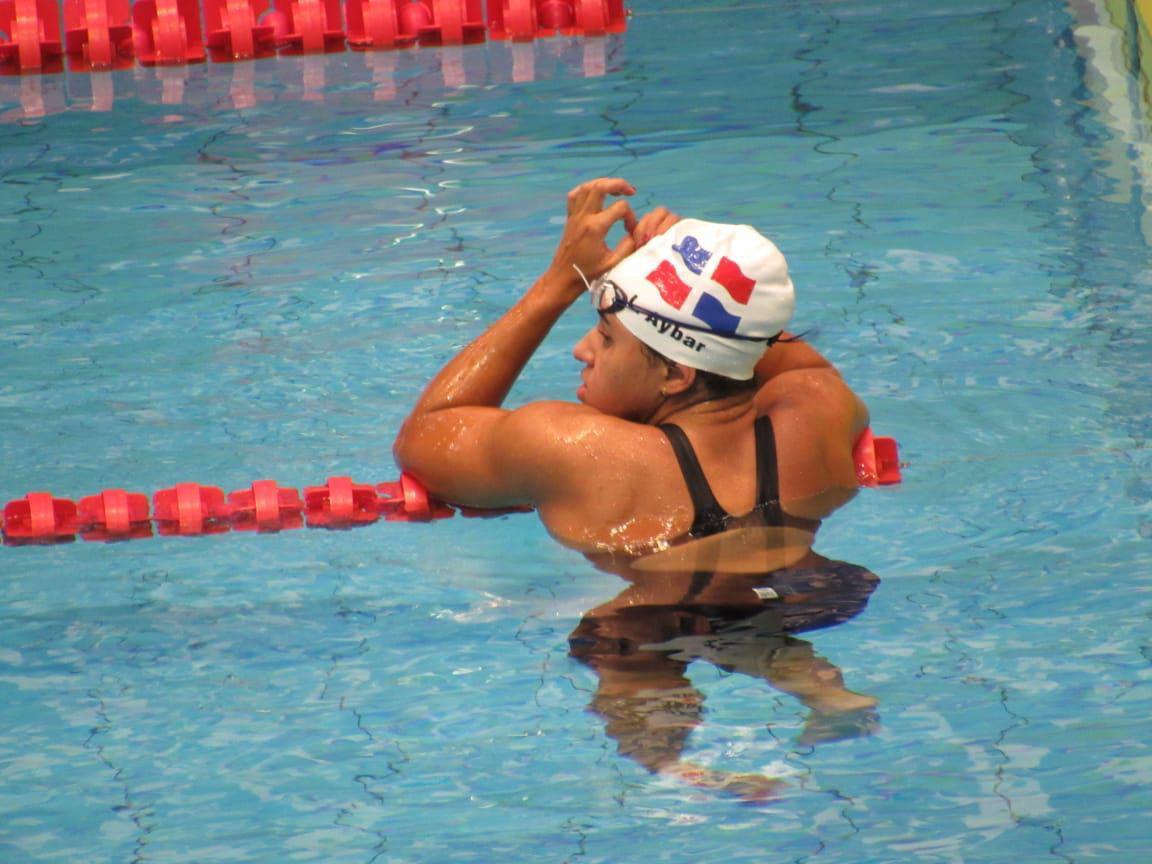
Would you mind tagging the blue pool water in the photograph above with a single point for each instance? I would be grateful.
(249, 272)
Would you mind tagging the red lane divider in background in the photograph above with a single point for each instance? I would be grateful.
(377, 24)
(167, 32)
(342, 502)
(266, 507)
(240, 29)
(311, 27)
(114, 515)
(32, 43)
(407, 501)
(98, 34)
(189, 509)
(877, 460)
(530, 19)
(40, 518)
(114, 34)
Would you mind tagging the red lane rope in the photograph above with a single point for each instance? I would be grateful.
(190, 509)
(115, 34)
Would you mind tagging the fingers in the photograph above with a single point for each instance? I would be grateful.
(653, 224)
(600, 222)
(640, 231)
(619, 211)
(589, 196)
(627, 244)
(624, 248)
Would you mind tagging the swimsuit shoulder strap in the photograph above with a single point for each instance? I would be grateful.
(767, 473)
(709, 516)
(768, 481)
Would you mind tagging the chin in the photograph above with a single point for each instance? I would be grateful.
(590, 400)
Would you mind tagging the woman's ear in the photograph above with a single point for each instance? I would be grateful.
(678, 379)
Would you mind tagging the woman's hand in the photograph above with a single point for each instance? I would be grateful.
(652, 224)
(583, 247)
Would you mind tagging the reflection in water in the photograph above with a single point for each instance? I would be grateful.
(642, 643)
(349, 80)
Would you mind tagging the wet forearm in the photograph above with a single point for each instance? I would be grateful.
(484, 371)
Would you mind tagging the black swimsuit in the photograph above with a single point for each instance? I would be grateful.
(710, 518)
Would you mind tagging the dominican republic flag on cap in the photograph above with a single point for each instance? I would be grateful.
(700, 284)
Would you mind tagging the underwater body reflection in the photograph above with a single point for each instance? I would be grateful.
(642, 643)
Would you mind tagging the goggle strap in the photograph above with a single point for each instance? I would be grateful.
(583, 278)
(621, 300)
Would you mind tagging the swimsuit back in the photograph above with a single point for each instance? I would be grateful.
(709, 517)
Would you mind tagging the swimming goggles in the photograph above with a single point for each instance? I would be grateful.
(608, 304)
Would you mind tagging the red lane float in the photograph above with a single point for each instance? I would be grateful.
(239, 29)
(98, 35)
(167, 32)
(114, 515)
(312, 27)
(381, 24)
(522, 20)
(30, 36)
(39, 517)
(340, 503)
(598, 17)
(512, 19)
(408, 501)
(877, 460)
(266, 506)
(190, 509)
(454, 22)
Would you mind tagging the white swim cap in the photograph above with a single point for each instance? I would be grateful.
(707, 295)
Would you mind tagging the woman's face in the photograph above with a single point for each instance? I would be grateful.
(619, 377)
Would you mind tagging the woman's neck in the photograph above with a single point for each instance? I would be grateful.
(697, 410)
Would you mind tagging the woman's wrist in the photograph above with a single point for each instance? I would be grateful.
(556, 290)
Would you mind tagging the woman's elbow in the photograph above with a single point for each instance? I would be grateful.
(405, 446)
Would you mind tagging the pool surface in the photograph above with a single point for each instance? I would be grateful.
(230, 273)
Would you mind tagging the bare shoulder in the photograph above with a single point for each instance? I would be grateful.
(817, 418)
(491, 457)
(563, 436)
(814, 394)
(573, 453)
(594, 479)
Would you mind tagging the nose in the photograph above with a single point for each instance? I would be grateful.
(583, 349)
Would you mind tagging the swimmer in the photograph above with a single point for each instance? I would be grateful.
(697, 413)
(704, 448)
